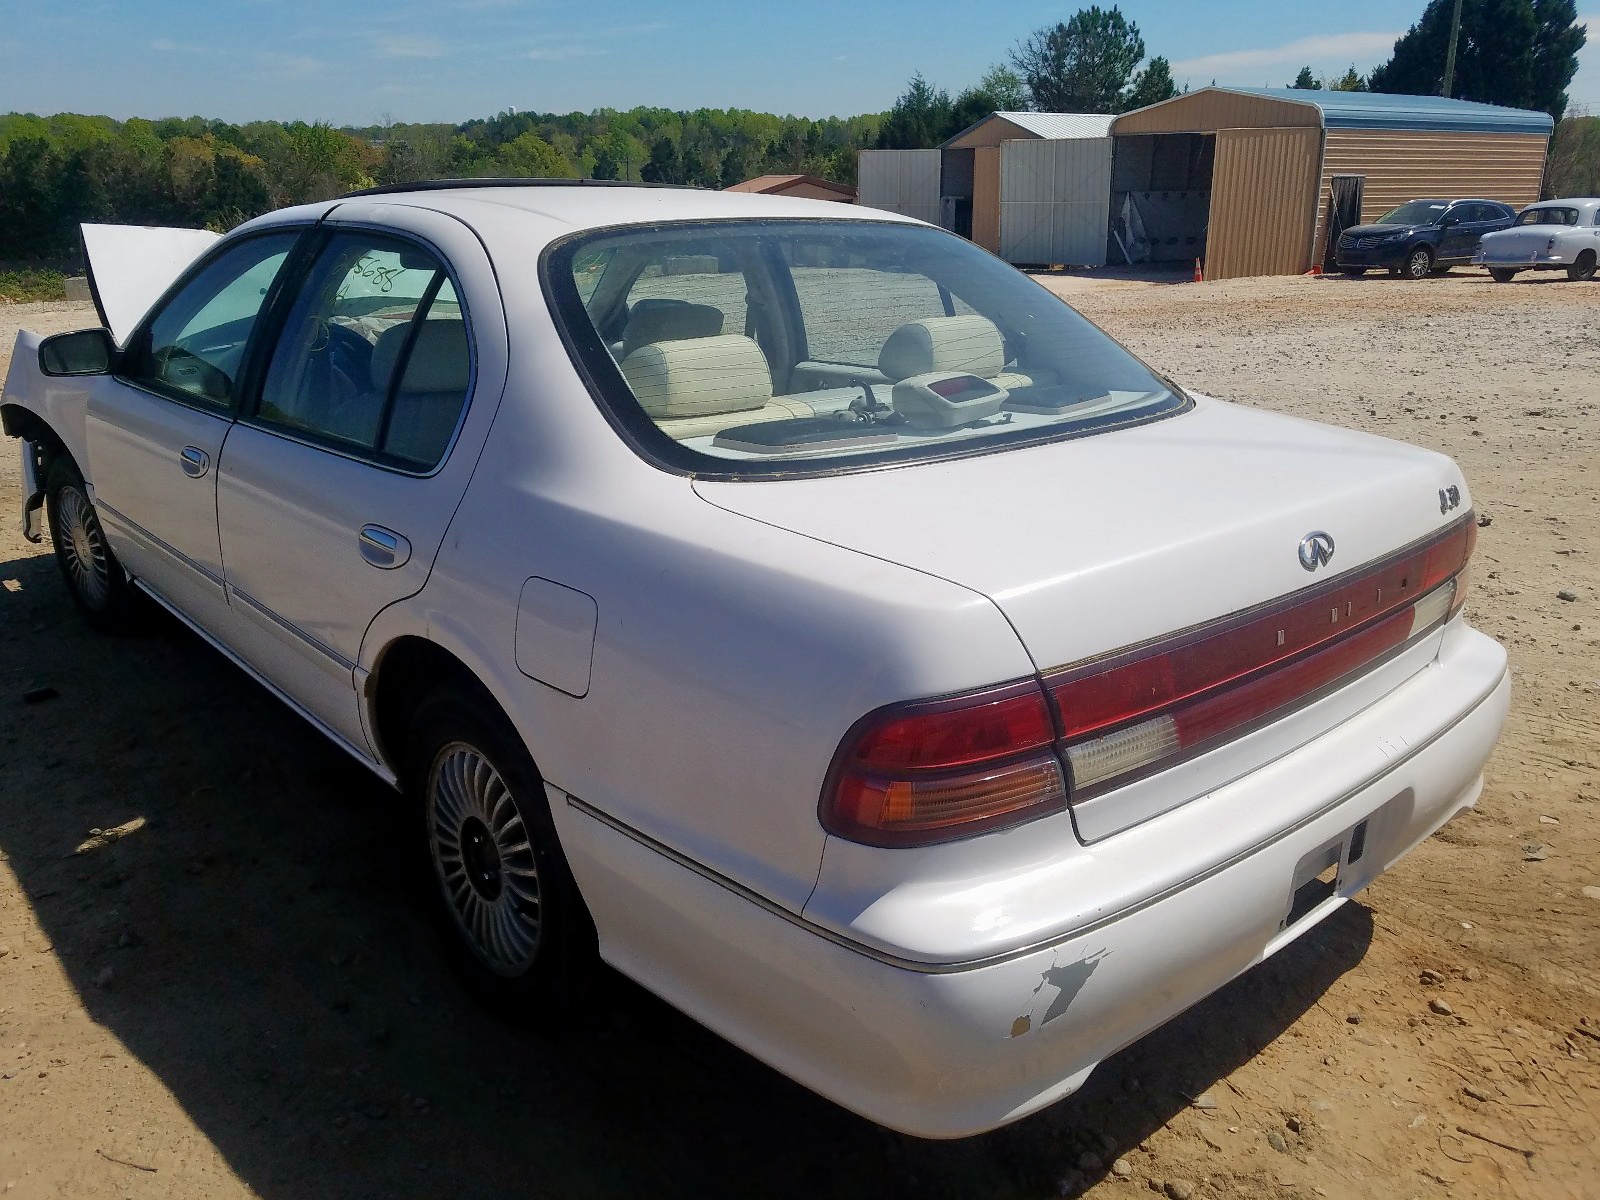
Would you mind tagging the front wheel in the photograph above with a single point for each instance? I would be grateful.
(98, 584)
(1502, 274)
(502, 893)
(1418, 264)
(1584, 268)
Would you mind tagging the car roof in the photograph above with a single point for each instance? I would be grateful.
(1567, 202)
(592, 204)
(531, 211)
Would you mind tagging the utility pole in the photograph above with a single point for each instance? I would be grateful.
(1450, 54)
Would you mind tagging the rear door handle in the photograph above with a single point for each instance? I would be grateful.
(384, 548)
(196, 462)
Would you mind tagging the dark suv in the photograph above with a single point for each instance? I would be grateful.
(1422, 236)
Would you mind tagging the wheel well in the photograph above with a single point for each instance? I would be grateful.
(408, 670)
(1587, 254)
(20, 422)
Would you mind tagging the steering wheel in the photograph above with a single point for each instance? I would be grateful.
(187, 370)
(349, 359)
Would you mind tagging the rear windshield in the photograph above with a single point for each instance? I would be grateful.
(775, 347)
(1417, 212)
(1548, 216)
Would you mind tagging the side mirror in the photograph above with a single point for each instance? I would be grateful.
(85, 352)
(1447, 222)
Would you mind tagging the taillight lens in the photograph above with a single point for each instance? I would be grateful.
(1144, 710)
(936, 770)
(932, 770)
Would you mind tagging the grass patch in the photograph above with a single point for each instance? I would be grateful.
(31, 284)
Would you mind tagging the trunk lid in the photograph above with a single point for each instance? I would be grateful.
(1529, 242)
(130, 266)
(1097, 544)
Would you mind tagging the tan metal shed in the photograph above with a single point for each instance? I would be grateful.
(1262, 162)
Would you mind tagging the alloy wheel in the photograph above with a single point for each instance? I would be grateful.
(82, 546)
(484, 859)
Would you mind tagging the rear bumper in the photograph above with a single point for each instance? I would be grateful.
(950, 1048)
(1540, 262)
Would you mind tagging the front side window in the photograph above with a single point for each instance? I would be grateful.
(194, 345)
(860, 342)
(374, 357)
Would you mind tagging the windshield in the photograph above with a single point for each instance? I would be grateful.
(760, 347)
(1548, 216)
(1415, 212)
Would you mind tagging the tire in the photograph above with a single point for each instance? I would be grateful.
(1583, 269)
(94, 578)
(500, 891)
(1418, 264)
(1353, 272)
(1502, 274)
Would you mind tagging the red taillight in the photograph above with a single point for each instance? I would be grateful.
(1143, 710)
(932, 770)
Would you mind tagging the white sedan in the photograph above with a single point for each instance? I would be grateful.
(1556, 235)
(789, 604)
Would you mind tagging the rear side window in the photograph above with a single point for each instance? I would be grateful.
(374, 358)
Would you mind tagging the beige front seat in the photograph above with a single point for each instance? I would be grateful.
(669, 321)
(969, 344)
(431, 393)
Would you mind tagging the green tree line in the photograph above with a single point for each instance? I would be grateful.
(58, 171)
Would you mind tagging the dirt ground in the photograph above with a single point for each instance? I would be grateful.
(232, 994)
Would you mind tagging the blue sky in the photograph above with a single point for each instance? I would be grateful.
(360, 61)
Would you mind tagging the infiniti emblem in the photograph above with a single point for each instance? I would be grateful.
(1316, 548)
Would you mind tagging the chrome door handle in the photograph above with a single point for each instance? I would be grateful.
(196, 462)
(384, 548)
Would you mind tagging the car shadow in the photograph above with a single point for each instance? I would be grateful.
(220, 886)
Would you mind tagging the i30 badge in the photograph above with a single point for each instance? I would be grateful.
(1316, 548)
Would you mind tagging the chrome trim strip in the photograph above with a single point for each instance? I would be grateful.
(234, 593)
(923, 967)
(338, 739)
(198, 568)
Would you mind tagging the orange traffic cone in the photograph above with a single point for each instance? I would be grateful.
(1199, 275)
(1316, 269)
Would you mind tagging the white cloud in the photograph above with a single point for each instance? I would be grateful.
(289, 66)
(563, 53)
(401, 46)
(1236, 66)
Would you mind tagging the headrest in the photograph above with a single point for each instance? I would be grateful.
(668, 321)
(440, 360)
(693, 377)
(970, 344)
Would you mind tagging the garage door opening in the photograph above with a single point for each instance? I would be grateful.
(1161, 197)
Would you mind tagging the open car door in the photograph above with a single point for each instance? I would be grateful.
(130, 266)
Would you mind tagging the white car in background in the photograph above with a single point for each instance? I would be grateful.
(1555, 235)
(790, 604)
